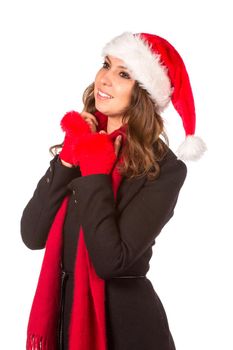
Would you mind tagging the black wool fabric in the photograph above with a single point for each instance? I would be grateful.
(119, 237)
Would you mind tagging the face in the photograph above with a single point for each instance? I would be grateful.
(113, 88)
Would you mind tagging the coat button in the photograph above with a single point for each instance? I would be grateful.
(75, 201)
(73, 192)
(50, 169)
(47, 179)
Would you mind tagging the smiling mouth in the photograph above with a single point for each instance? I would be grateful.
(103, 96)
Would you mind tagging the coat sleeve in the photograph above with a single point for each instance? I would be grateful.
(114, 244)
(39, 213)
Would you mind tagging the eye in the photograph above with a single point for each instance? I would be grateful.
(125, 75)
(105, 64)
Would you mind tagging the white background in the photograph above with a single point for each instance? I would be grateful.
(50, 51)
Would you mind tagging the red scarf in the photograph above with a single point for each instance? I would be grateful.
(87, 330)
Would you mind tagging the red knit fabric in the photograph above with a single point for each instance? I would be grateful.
(87, 327)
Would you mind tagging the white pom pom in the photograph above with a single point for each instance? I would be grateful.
(191, 149)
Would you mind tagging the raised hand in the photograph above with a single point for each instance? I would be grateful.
(90, 119)
(117, 142)
(96, 153)
(74, 126)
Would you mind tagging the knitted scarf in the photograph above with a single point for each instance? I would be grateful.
(87, 329)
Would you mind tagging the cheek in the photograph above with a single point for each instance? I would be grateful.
(97, 77)
(126, 94)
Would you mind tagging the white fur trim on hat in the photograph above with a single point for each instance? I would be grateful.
(192, 148)
(143, 64)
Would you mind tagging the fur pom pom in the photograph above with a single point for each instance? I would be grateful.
(191, 149)
(74, 124)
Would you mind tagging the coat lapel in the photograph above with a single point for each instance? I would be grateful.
(127, 190)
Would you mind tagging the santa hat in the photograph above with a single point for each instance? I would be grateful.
(160, 70)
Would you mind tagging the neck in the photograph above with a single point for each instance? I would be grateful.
(113, 124)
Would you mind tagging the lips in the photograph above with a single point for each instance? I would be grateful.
(103, 95)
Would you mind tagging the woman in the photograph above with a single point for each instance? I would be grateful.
(103, 201)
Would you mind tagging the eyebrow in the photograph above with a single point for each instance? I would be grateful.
(117, 66)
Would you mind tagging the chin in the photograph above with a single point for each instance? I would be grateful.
(107, 110)
(101, 108)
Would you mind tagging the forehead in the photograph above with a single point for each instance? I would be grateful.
(116, 61)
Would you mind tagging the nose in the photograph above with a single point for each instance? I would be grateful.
(106, 78)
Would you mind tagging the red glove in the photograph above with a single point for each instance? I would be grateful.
(95, 154)
(74, 126)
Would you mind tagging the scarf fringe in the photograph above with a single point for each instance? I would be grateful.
(36, 342)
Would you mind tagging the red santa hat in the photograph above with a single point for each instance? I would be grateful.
(160, 70)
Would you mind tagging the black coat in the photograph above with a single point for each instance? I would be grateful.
(119, 236)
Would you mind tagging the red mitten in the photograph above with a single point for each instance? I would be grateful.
(74, 126)
(95, 154)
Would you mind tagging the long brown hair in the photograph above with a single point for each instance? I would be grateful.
(143, 148)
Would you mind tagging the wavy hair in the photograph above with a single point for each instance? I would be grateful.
(143, 148)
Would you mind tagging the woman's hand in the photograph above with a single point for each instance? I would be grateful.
(96, 153)
(90, 119)
(68, 165)
(74, 127)
(117, 142)
(93, 123)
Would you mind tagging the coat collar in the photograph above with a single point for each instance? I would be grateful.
(102, 125)
(128, 188)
